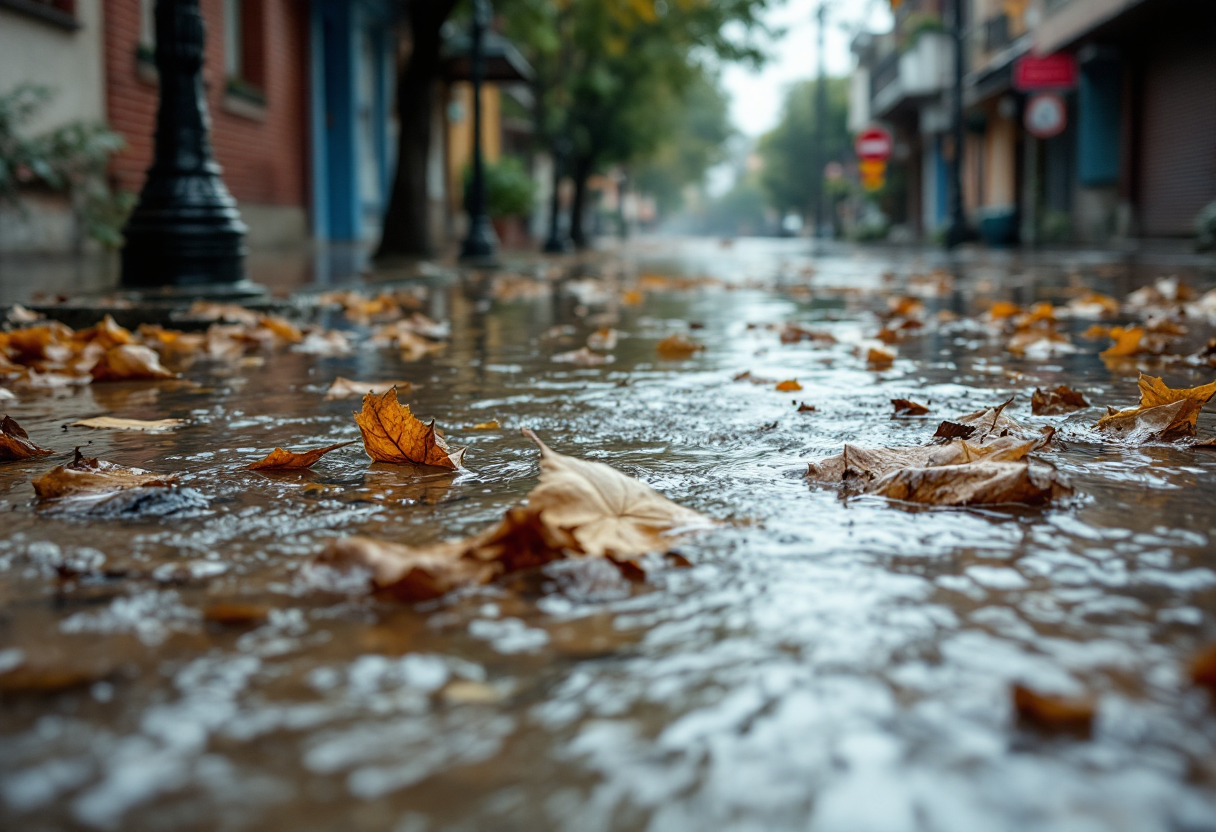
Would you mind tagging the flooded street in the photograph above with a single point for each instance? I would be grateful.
(828, 663)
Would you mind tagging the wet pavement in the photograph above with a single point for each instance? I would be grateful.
(826, 664)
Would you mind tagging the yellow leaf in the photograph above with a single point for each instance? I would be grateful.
(286, 460)
(788, 386)
(675, 347)
(1127, 342)
(129, 362)
(391, 433)
(490, 425)
(1164, 413)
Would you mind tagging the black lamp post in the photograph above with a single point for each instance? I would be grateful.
(480, 243)
(185, 237)
(958, 232)
(558, 242)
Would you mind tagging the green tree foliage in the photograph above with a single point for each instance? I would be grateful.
(70, 159)
(699, 125)
(790, 171)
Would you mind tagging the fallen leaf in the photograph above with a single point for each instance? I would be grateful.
(330, 342)
(106, 334)
(279, 459)
(583, 357)
(1052, 712)
(603, 340)
(405, 336)
(877, 357)
(236, 615)
(34, 679)
(793, 333)
(677, 347)
(954, 430)
(1206, 445)
(904, 407)
(578, 509)
(1093, 305)
(345, 388)
(490, 425)
(1203, 669)
(15, 442)
(789, 386)
(112, 423)
(18, 314)
(282, 328)
(232, 313)
(391, 433)
(1039, 344)
(1164, 414)
(747, 376)
(129, 362)
(85, 476)
(1127, 342)
(464, 692)
(1054, 402)
(971, 484)
(806, 408)
(1003, 309)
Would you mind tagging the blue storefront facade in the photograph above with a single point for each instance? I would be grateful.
(353, 69)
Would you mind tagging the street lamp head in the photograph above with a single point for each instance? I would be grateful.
(482, 14)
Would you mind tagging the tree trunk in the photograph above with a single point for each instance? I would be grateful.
(407, 230)
(581, 172)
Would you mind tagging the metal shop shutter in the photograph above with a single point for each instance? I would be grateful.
(1177, 137)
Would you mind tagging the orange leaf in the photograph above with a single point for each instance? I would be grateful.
(391, 433)
(129, 362)
(1164, 413)
(1203, 669)
(675, 347)
(15, 442)
(789, 386)
(905, 407)
(1127, 342)
(1054, 402)
(1054, 713)
(281, 459)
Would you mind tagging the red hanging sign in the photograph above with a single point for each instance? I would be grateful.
(874, 143)
(1050, 72)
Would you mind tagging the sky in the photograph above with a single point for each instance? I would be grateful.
(756, 96)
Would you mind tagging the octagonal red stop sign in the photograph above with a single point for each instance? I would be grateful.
(873, 144)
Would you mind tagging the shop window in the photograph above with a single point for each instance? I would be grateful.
(244, 50)
(146, 49)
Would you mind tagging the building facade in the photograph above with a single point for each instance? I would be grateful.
(1134, 155)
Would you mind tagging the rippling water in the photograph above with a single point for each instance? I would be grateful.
(829, 665)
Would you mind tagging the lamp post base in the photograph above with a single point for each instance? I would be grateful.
(480, 247)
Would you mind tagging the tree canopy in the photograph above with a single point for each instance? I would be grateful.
(790, 171)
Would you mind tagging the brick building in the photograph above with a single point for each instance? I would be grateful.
(256, 75)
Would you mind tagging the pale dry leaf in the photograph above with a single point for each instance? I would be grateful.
(1164, 414)
(603, 340)
(90, 476)
(582, 357)
(391, 433)
(345, 388)
(1063, 399)
(677, 347)
(978, 483)
(129, 362)
(113, 423)
(907, 407)
(279, 459)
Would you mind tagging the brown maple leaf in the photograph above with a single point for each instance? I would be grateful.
(391, 433)
(87, 475)
(1164, 414)
(129, 362)
(905, 407)
(1054, 402)
(279, 459)
(15, 442)
(1052, 712)
(345, 388)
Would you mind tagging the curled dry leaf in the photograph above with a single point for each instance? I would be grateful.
(1203, 668)
(15, 442)
(129, 362)
(582, 357)
(490, 425)
(676, 347)
(793, 333)
(88, 476)
(904, 407)
(1051, 712)
(789, 386)
(1063, 399)
(578, 509)
(345, 388)
(106, 334)
(803, 407)
(1164, 414)
(1127, 342)
(112, 423)
(1028, 482)
(330, 342)
(279, 459)
(391, 433)
(878, 358)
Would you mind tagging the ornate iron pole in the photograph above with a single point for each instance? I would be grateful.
(480, 243)
(958, 232)
(558, 242)
(186, 236)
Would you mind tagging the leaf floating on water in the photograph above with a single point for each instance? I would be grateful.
(789, 386)
(1203, 669)
(1055, 402)
(975, 484)
(231, 614)
(582, 357)
(1165, 414)
(954, 430)
(345, 388)
(29, 679)
(15, 442)
(279, 459)
(603, 340)
(803, 407)
(1127, 342)
(878, 358)
(129, 362)
(490, 425)
(677, 347)
(904, 407)
(1206, 445)
(89, 476)
(391, 433)
(112, 423)
(1054, 713)
(578, 509)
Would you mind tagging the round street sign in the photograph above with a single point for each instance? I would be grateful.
(1045, 115)
(874, 144)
